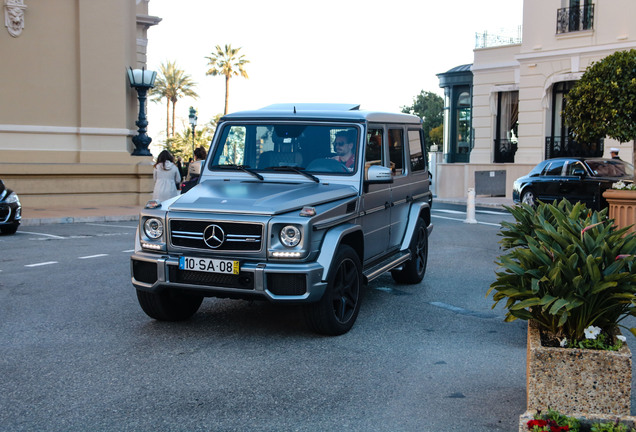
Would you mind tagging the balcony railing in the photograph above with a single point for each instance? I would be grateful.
(566, 147)
(575, 19)
(502, 37)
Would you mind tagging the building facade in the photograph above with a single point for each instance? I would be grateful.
(518, 90)
(68, 113)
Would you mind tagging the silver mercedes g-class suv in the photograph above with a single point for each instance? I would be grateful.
(299, 204)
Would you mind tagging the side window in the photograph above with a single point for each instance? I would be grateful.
(554, 169)
(396, 151)
(416, 150)
(373, 153)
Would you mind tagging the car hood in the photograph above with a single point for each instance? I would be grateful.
(249, 197)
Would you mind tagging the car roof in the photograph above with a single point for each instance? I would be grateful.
(323, 112)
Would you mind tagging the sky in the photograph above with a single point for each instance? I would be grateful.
(379, 54)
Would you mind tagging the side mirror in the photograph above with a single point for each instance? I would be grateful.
(379, 174)
(578, 172)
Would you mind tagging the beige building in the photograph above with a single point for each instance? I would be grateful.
(68, 112)
(517, 90)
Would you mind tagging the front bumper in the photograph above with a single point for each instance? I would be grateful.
(277, 282)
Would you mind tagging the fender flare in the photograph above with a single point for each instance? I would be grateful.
(414, 213)
(331, 242)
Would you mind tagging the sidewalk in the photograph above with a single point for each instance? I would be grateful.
(33, 216)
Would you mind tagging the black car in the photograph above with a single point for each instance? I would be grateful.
(577, 179)
(10, 210)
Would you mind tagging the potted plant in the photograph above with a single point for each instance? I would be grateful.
(622, 204)
(570, 272)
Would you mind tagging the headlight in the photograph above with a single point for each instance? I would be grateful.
(290, 236)
(12, 198)
(153, 228)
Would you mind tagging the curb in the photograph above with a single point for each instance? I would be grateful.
(77, 219)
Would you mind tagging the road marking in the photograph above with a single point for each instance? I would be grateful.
(462, 311)
(462, 220)
(41, 264)
(93, 256)
(128, 251)
(41, 234)
(111, 226)
(497, 213)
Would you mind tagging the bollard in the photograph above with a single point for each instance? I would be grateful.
(470, 207)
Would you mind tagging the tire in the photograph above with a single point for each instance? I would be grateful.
(169, 305)
(9, 229)
(336, 312)
(527, 197)
(413, 270)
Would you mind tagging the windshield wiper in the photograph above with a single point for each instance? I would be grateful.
(296, 170)
(243, 168)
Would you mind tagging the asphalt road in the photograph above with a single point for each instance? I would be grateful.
(78, 354)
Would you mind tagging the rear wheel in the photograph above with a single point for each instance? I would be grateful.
(528, 197)
(337, 310)
(413, 270)
(168, 305)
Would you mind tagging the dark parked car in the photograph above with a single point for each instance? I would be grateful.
(577, 179)
(10, 210)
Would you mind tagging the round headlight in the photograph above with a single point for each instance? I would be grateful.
(290, 236)
(153, 228)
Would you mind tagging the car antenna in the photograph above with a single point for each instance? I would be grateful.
(294, 109)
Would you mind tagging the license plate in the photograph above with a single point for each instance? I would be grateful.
(209, 265)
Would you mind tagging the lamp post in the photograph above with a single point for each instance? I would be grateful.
(141, 80)
(193, 122)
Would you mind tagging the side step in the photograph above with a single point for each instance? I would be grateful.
(386, 265)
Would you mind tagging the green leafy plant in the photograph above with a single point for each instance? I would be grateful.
(611, 427)
(568, 268)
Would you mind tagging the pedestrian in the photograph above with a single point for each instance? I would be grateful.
(167, 177)
(194, 168)
(179, 165)
(614, 153)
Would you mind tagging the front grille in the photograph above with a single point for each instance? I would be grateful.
(5, 212)
(240, 237)
(243, 280)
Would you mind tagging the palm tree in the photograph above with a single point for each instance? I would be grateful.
(172, 83)
(227, 62)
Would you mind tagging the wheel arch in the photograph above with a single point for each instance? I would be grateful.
(348, 234)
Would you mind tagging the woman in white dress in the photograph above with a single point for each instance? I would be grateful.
(166, 176)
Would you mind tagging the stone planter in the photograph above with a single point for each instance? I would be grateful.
(622, 207)
(576, 381)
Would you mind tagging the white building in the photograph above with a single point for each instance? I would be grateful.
(517, 92)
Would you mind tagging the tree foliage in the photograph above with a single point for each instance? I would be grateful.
(181, 143)
(603, 102)
(430, 107)
(228, 63)
(172, 84)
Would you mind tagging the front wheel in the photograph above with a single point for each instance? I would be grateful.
(168, 305)
(413, 270)
(9, 229)
(528, 197)
(336, 312)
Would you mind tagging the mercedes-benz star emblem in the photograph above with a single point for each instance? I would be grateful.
(213, 236)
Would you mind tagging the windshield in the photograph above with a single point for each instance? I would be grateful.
(319, 149)
(610, 168)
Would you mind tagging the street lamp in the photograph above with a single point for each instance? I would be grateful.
(193, 122)
(141, 80)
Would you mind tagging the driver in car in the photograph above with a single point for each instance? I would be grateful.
(343, 146)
